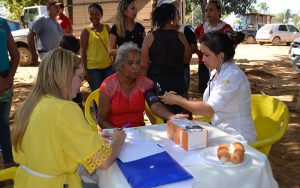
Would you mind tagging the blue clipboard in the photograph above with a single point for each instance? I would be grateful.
(152, 171)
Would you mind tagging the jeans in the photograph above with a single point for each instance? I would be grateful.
(203, 74)
(98, 75)
(5, 141)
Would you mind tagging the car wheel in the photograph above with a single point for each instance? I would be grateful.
(276, 41)
(261, 43)
(250, 40)
(25, 56)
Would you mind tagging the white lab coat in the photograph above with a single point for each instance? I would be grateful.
(229, 94)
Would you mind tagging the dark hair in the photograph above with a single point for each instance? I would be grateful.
(164, 14)
(96, 6)
(69, 42)
(217, 3)
(218, 6)
(218, 41)
(61, 6)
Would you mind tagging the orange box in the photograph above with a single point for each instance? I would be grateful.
(188, 134)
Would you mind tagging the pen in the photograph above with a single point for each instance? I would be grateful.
(126, 125)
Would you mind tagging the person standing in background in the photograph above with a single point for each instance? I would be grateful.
(126, 29)
(46, 32)
(212, 22)
(164, 53)
(94, 41)
(64, 21)
(7, 73)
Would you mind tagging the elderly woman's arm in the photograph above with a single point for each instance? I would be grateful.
(160, 110)
(103, 112)
(196, 107)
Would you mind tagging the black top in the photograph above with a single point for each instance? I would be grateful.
(190, 35)
(167, 57)
(136, 35)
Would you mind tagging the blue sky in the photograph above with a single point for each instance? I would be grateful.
(278, 6)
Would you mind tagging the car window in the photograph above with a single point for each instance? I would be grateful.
(282, 28)
(292, 28)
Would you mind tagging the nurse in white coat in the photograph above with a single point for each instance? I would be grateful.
(227, 97)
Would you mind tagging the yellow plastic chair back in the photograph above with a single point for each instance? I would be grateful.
(270, 117)
(8, 173)
(87, 109)
(156, 118)
(94, 96)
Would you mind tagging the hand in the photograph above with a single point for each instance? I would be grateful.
(35, 58)
(118, 137)
(170, 98)
(178, 116)
(5, 84)
(87, 77)
(106, 136)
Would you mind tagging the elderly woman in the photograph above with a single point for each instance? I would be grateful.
(123, 94)
(52, 136)
(228, 95)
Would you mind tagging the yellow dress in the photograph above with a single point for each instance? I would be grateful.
(55, 142)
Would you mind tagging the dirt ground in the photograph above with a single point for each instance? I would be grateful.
(269, 71)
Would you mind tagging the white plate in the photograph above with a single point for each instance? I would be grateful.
(209, 155)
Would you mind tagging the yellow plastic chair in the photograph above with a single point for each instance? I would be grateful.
(8, 173)
(87, 109)
(94, 97)
(270, 117)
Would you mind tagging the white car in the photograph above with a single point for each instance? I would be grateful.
(295, 48)
(276, 34)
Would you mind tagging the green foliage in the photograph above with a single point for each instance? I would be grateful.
(194, 14)
(263, 7)
(279, 18)
(296, 20)
(15, 7)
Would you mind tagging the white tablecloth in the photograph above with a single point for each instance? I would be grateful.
(254, 172)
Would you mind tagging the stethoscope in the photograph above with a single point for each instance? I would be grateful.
(210, 80)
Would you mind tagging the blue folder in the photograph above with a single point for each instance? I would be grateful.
(152, 171)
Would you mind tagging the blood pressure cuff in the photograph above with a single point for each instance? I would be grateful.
(151, 96)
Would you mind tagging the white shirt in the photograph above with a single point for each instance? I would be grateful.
(229, 95)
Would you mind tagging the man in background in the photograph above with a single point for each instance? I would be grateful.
(45, 33)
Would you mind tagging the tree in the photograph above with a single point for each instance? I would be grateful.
(263, 7)
(287, 15)
(295, 20)
(279, 18)
(15, 7)
(238, 6)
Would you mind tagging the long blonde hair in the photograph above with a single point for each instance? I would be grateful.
(54, 78)
(121, 18)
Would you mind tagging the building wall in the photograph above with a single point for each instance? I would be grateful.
(81, 17)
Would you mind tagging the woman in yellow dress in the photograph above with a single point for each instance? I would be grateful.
(52, 137)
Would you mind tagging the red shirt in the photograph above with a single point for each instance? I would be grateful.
(64, 22)
(199, 31)
(127, 108)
